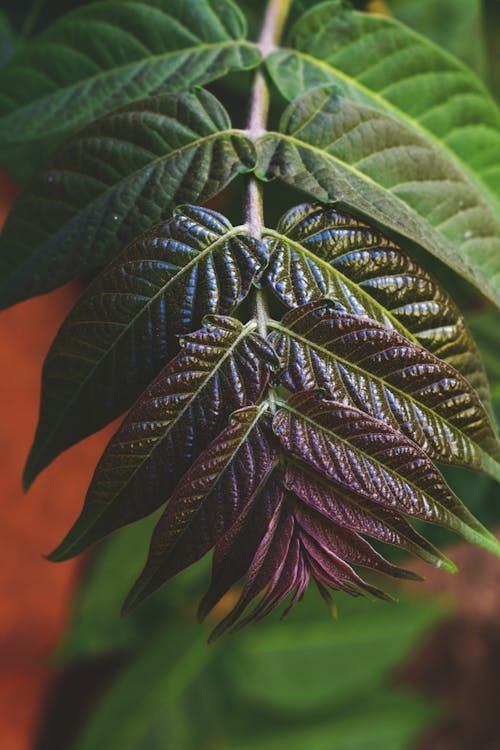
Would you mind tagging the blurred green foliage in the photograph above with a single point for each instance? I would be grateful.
(310, 683)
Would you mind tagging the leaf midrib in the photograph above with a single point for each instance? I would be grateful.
(401, 116)
(300, 415)
(405, 396)
(246, 330)
(91, 80)
(260, 411)
(330, 269)
(128, 326)
(431, 554)
(76, 218)
(436, 235)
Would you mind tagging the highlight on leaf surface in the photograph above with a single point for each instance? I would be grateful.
(319, 251)
(334, 148)
(284, 489)
(223, 367)
(126, 325)
(379, 371)
(281, 440)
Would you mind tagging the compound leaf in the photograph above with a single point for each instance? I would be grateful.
(340, 150)
(107, 55)
(222, 367)
(318, 252)
(379, 371)
(125, 326)
(113, 181)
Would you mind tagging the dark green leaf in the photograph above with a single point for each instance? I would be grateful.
(111, 182)
(149, 686)
(379, 371)
(370, 460)
(361, 647)
(339, 150)
(221, 368)
(6, 39)
(380, 62)
(225, 478)
(109, 54)
(392, 723)
(125, 327)
(319, 252)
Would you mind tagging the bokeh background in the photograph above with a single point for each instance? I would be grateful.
(423, 674)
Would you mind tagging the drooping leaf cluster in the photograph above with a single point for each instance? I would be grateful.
(281, 439)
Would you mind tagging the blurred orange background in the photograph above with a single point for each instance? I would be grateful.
(34, 594)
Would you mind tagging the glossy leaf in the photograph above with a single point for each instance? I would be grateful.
(109, 54)
(111, 182)
(220, 368)
(318, 251)
(379, 371)
(372, 461)
(300, 544)
(340, 150)
(125, 327)
(361, 515)
(208, 500)
(380, 62)
(235, 550)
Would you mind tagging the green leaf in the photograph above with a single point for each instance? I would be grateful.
(368, 459)
(111, 182)
(276, 662)
(109, 54)
(319, 252)
(336, 149)
(377, 370)
(223, 367)
(382, 63)
(148, 687)
(95, 628)
(6, 39)
(392, 722)
(455, 25)
(485, 327)
(225, 479)
(125, 326)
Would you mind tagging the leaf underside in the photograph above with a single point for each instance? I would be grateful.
(126, 325)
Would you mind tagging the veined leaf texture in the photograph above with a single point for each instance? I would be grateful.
(288, 388)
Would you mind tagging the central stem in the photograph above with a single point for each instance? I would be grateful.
(272, 27)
